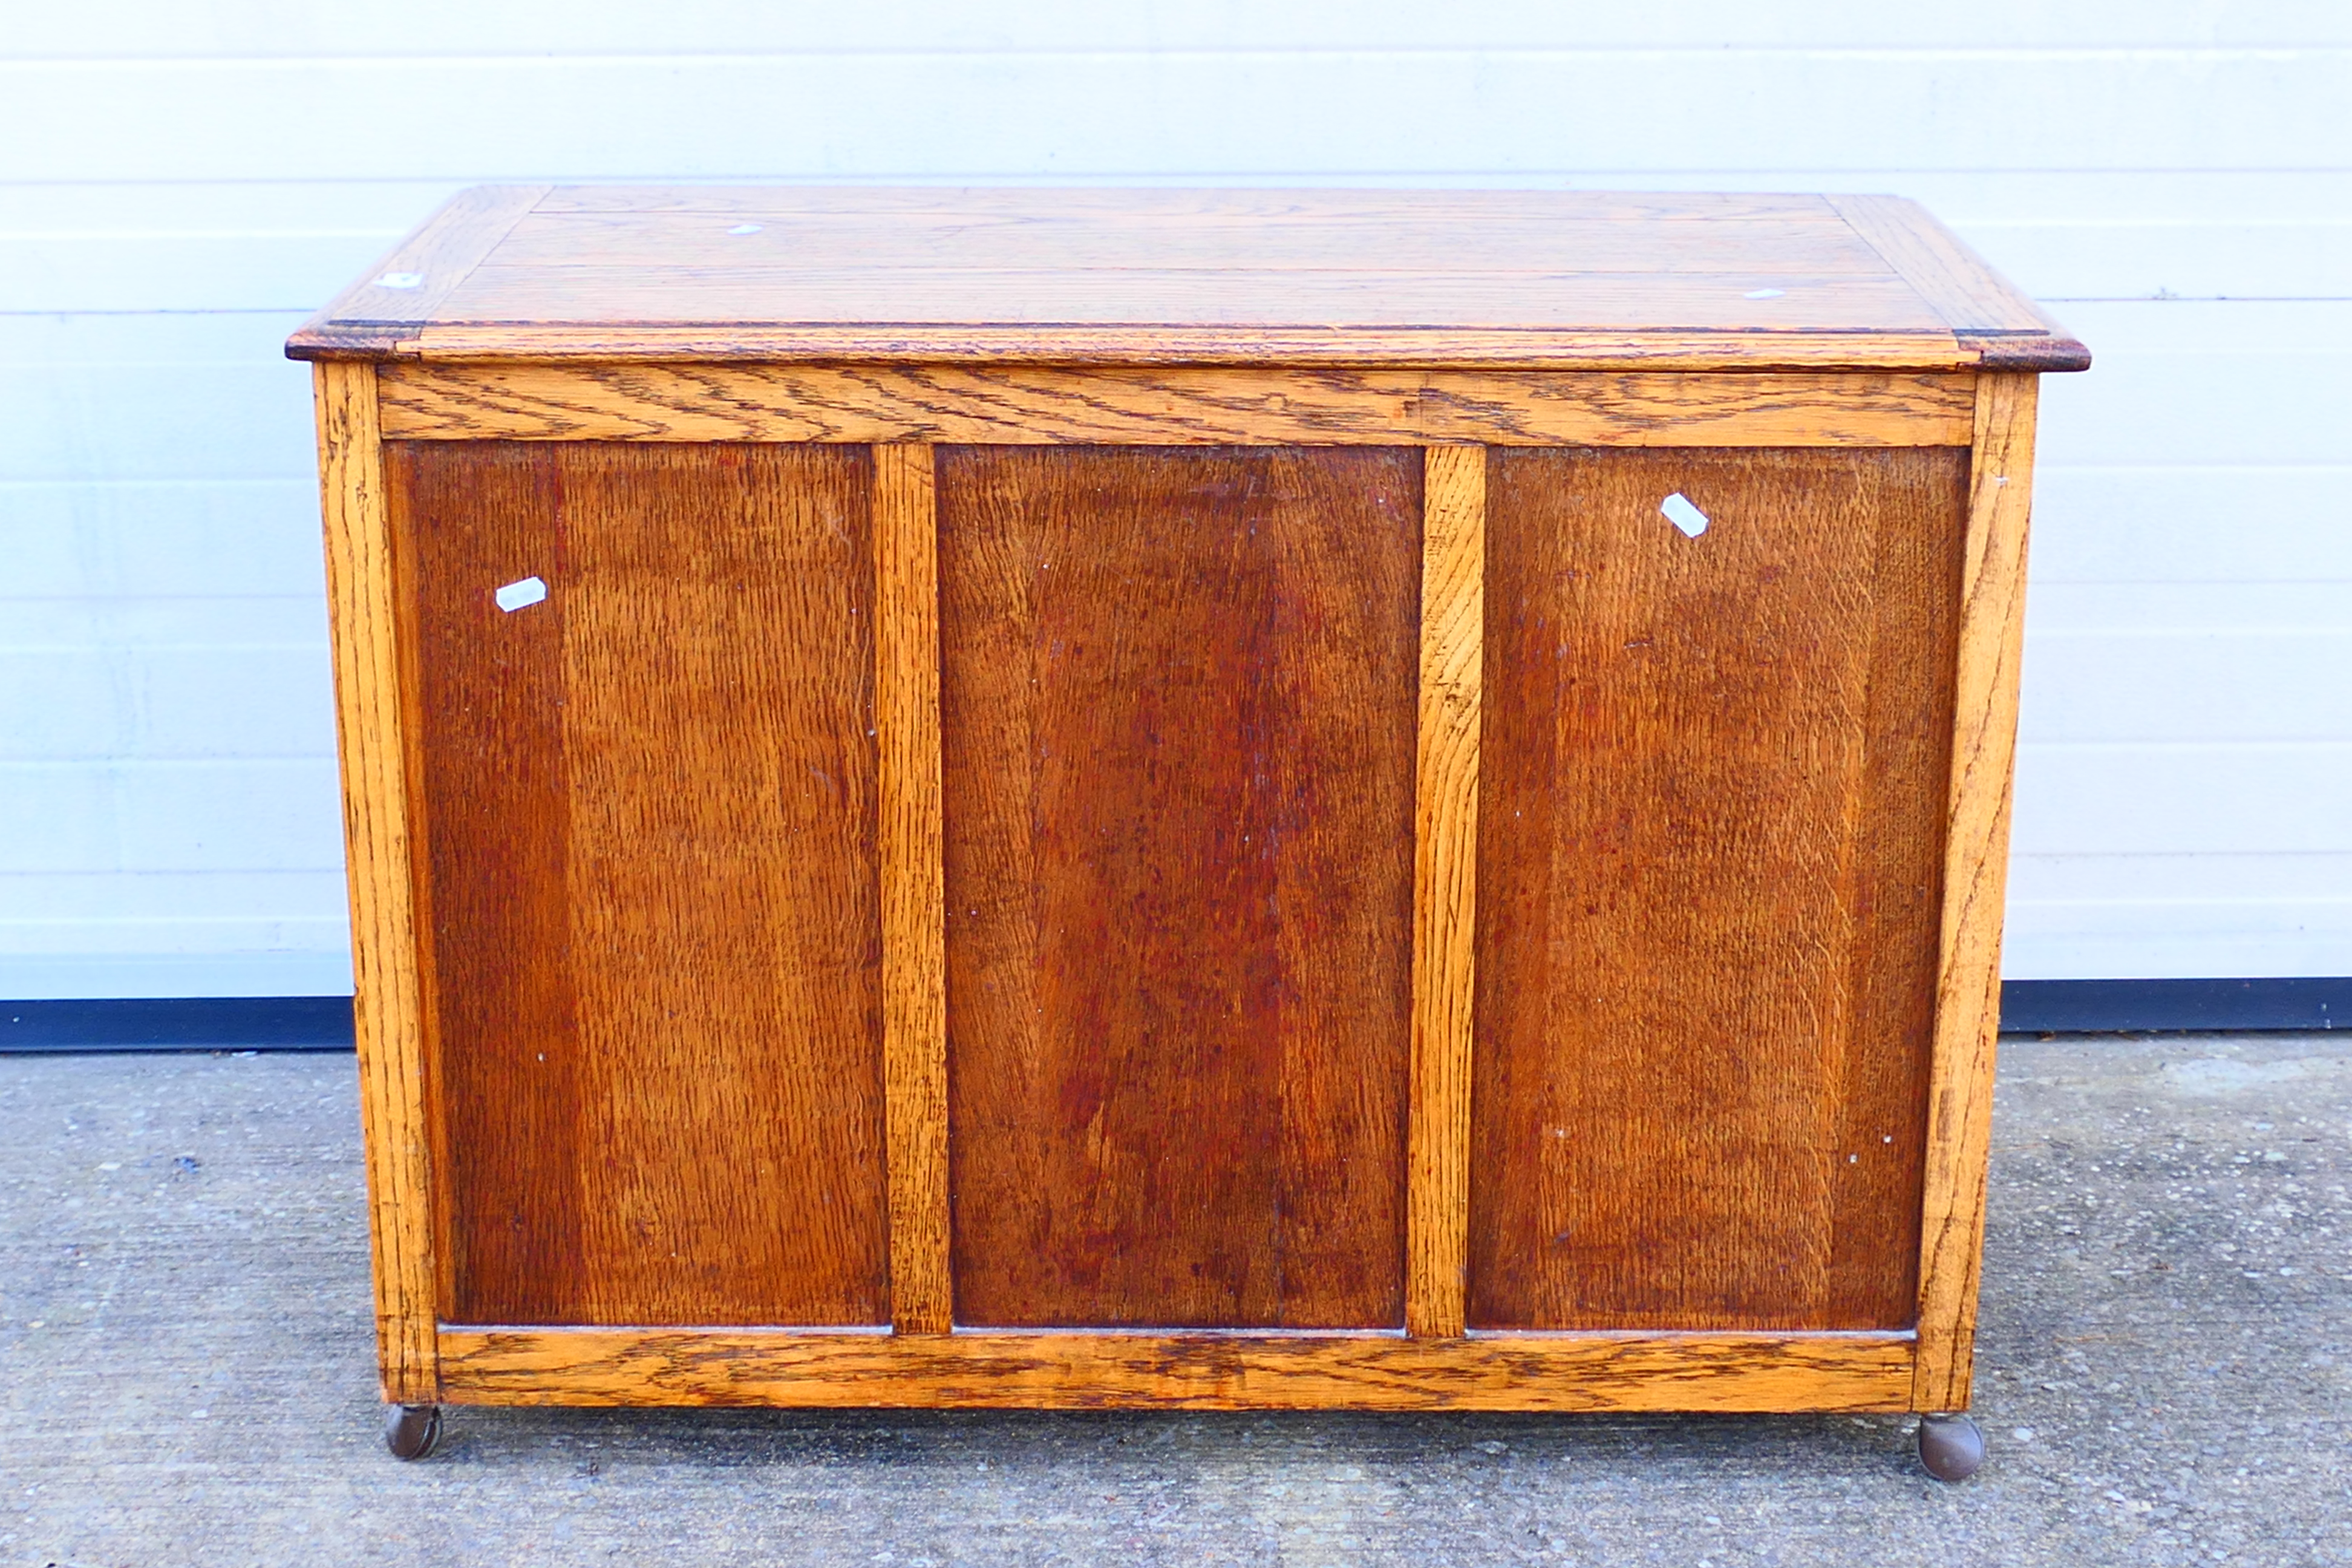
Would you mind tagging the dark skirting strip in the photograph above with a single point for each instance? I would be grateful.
(179, 1023)
(2107, 1006)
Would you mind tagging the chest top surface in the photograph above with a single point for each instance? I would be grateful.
(1531, 279)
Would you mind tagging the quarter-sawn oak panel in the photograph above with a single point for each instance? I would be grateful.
(1709, 866)
(1178, 703)
(649, 809)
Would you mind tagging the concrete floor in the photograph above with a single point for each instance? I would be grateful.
(2166, 1377)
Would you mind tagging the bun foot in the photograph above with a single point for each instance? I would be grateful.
(410, 1431)
(1950, 1446)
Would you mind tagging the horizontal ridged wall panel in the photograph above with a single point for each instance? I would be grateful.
(2171, 176)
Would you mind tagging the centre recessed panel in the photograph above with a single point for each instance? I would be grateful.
(1177, 691)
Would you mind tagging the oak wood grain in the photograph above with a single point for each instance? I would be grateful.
(1984, 309)
(1185, 1371)
(1709, 859)
(387, 1004)
(650, 828)
(914, 956)
(1339, 346)
(1169, 405)
(493, 908)
(437, 256)
(1445, 894)
(587, 292)
(1356, 278)
(1968, 979)
(1484, 237)
(1178, 709)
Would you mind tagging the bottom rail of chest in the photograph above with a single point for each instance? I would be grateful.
(1794, 1371)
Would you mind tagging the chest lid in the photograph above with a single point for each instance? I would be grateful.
(1557, 279)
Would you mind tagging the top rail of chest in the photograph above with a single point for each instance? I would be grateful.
(1326, 280)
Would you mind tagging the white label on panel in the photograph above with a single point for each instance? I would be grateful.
(515, 595)
(1682, 515)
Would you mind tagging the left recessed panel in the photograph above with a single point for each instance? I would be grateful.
(649, 878)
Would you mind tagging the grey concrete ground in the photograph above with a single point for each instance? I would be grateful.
(2166, 1377)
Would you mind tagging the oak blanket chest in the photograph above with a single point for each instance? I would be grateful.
(1254, 799)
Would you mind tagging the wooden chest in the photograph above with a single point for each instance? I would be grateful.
(1252, 799)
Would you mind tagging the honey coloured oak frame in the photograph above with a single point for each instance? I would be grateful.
(1433, 1362)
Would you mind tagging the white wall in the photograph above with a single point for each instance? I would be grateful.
(181, 181)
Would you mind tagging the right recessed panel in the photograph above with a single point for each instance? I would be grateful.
(1714, 768)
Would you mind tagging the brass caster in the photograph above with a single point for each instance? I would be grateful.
(410, 1431)
(1950, 1446)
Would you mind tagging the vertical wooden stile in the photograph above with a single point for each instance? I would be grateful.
(387, 1002)
(1976, 867)
(1445, 887)
(914, 954)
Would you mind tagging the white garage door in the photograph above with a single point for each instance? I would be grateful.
(181, 181)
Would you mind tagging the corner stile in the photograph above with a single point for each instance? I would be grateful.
(1976, 866)
(388, 1005)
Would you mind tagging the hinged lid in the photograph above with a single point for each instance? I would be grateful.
(1531, 279)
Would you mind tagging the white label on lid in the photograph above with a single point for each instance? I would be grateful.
(400, 281)
(1682, 515)
(515, 595)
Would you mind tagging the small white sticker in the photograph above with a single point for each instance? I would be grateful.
(1680, 512)
(745, 228)
(515, 595)
(400, 281)
(1762, 294)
